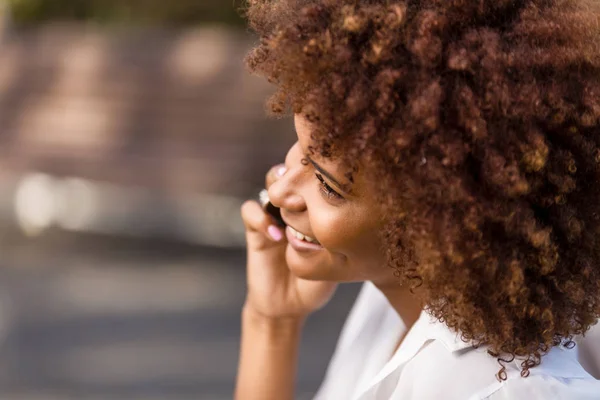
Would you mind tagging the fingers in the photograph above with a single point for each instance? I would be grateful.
(274, 174)
(257, 220)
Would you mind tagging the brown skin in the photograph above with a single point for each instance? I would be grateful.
(285, 286)
(478, 123)
(346, 225)
(345, 221)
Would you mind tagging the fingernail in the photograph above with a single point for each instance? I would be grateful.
(281, 171)
(275, 233)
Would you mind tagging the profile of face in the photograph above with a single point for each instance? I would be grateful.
(317, 200)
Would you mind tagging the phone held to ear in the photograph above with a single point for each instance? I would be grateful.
(269, 208)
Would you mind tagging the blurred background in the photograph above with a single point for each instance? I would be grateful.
(130, 134)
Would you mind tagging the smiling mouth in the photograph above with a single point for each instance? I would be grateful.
(303, 237)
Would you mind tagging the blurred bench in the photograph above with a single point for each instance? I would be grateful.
(170, 110)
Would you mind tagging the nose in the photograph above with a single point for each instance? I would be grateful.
(283, 193)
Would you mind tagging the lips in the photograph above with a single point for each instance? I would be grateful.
(302, 236)
(299, 240)
(301, 246)
(296, 233)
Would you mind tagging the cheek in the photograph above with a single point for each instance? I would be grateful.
(331, 228)
(351, 234)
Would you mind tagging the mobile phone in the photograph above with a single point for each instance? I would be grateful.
(269, 208)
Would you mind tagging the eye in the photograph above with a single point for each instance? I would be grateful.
(326, 189)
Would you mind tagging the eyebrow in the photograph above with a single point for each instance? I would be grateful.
(346, 188)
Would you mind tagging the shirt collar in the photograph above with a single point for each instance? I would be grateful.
(433, 329)
(559, 361)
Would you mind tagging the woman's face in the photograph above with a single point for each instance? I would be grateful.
(314, 203)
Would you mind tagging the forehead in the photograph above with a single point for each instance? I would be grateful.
(303, 130)
(333, 166)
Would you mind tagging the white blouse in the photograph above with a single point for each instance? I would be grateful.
(433, 363)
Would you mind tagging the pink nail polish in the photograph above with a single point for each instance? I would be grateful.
(275, 233)
(281, 171)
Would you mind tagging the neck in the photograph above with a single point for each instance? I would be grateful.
(407, 305)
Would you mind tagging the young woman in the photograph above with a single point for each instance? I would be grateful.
(448, 156)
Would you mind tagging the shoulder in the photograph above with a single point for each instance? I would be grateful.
(447, 369)
(559, 376)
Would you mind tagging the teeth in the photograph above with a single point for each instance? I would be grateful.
(309, 239)
(303, 237)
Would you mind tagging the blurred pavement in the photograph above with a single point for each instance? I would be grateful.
(100, 318)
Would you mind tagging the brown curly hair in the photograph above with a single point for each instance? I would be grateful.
(480, 121)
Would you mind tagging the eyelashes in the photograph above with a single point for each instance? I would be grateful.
(326, 189)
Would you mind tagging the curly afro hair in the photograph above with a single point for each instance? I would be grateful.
(480, 122)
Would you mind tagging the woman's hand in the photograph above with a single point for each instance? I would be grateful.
(273, 291)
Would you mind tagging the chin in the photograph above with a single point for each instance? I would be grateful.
(312, 267)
